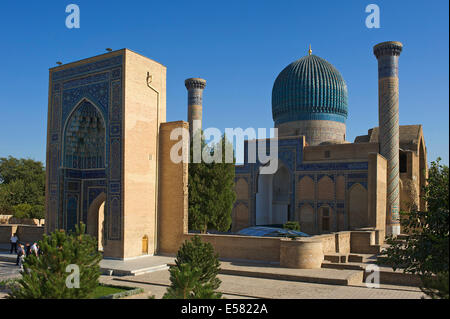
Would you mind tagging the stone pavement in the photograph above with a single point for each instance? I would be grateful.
(135, 266)
(270, 271)
(235, 286)
(156, 283)
(8, 270)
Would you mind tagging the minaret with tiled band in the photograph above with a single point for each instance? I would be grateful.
(195, 87)
(387, 54)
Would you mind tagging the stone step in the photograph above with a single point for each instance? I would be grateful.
(270, 271)
(5, 247)
(362, 258)
(387, 275)
(132, 272)
(336, 257)
(347, 266)
(7, 257)
(371, 249)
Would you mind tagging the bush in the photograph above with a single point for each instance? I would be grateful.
(195, 272)
(292, 225)
(44, 277)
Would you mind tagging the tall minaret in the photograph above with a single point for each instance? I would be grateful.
(195, 87)
(387, 54)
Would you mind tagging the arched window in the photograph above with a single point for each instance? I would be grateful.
(403, 162)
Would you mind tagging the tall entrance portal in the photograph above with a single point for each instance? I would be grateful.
(99, 171)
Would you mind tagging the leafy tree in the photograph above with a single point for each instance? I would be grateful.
(28, 170)
(195, 272)
(22, 210)
(45, 277)
(22, 181)
(426, 251)
(37, 211)
(211, 189)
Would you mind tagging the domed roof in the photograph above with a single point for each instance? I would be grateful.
(309, 89)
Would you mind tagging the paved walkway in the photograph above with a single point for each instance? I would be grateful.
(157, 282)
(134, 266)
(321, 276)
(8, 270)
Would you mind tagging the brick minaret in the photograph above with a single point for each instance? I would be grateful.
(195, 87)
(387, 54)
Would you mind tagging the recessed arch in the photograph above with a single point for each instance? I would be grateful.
(241, 189)
(84, 137)
(281, 191)
(307, 220)
(241, 217)
(325, 219)
(95, 225)
(305, 188)
(358, 212)
(325, 188)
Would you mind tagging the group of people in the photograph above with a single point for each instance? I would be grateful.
(23, 251)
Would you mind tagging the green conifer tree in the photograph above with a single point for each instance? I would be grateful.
(46, 276)
(211, 189)
(195, 273)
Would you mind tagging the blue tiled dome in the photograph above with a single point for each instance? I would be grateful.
(309, 89)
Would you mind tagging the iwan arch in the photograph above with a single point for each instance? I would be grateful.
(109, 166)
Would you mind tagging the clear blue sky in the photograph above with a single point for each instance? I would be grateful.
(239, 47)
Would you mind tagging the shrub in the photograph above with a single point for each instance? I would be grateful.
(292, 225)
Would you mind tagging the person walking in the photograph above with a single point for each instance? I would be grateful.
(14, 239)
(35, 249)
(20, 255)
(27, 249)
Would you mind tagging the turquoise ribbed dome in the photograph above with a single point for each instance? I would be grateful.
(309, 89)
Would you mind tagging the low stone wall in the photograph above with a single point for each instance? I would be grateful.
(301, 253)
(269, 249)
(10, 219)
(4, 219)
(335, 242)
(29, 233)
(328, 242)
(364, 242)
(243, 247)
(26, 233)
(343, 242)
(6, 231)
